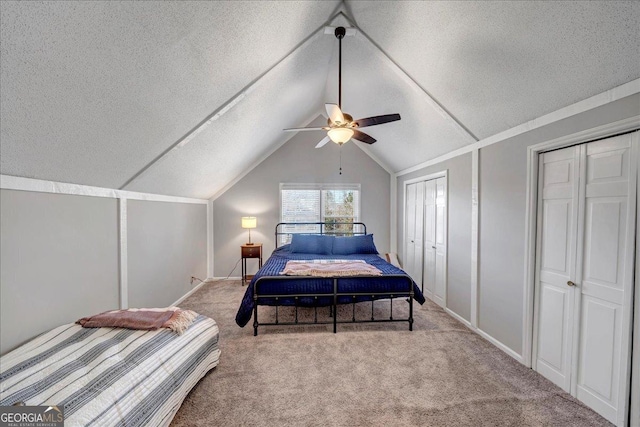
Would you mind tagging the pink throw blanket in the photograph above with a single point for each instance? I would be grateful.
(142, 318)
(330, 268)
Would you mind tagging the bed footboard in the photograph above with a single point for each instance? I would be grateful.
(334, 297)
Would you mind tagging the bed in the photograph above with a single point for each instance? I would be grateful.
(269, 287)
(110, 376)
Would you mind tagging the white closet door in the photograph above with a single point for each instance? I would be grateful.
(556, 264)
(605, 278)
(410, 231)
(419, 233)
(440, 294)
(429, 274)
(586, 229)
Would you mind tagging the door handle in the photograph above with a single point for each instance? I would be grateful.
(433, 247)
(570, 283)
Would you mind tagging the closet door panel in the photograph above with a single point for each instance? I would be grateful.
(602, 241)
(429, 274)
(606, 281)
(553, 330)
(410, 231)
(440, 295)
(419, 235)
(556, 234)
(599, 355)
(557, 222)
(598, 347)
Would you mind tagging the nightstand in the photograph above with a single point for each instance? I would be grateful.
(250, 251)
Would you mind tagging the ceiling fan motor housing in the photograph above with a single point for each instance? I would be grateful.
(348, 118)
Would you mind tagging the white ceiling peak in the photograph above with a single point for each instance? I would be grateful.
(343, 16)
(406, 77)
(462, 130)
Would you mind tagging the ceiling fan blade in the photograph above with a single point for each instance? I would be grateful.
(334, 112)
(323, 142)
(297, 129)
(376, 120)
(363, 137)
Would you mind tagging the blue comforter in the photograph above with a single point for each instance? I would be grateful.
(275, 264)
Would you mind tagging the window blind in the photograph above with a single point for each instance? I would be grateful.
(328, 203)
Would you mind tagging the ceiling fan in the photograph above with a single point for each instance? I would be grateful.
(340, 126)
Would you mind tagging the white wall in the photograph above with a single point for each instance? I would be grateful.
(503, 177)
(60, 254)
(502, 212)
(297, 161)
(58, 261)
(167, 244)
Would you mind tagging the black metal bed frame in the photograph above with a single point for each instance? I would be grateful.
(322, 226)
(335, 295)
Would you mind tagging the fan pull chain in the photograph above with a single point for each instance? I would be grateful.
(340, 159)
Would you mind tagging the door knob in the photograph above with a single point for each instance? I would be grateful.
(570, 283)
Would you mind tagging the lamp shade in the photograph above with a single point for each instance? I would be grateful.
(249, 222)
(340, 135)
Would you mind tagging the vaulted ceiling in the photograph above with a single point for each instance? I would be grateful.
(181, 98)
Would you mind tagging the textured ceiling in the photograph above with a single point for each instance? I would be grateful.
(98, 93)
(91, 92)
(495, 65)
(422, 133)
(246, 132)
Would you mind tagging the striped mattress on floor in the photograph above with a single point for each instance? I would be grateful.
(109, 376)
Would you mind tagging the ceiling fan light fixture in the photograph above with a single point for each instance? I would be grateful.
(340, 135)
(340, 126)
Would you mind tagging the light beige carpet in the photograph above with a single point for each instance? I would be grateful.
(441, 374)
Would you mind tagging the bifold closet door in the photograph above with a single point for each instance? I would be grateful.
(440, 292)
(426, 237)
(418, 239)
(410, 230)
(584, 271)
(429, 239)
(414, 221)
(605, 275)
(558, 189)
(435, 240)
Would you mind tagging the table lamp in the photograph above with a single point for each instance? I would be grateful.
(249, 222)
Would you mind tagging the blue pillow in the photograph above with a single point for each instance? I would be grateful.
(283, 248)
(354, 245)
(311, 244)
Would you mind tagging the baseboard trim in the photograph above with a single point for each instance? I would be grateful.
(485, 335)
(500, 345)
(188, 294)
(458, 318)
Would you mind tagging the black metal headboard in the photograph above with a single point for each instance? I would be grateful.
(328, 228)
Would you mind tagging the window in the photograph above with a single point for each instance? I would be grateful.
(327, 203)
